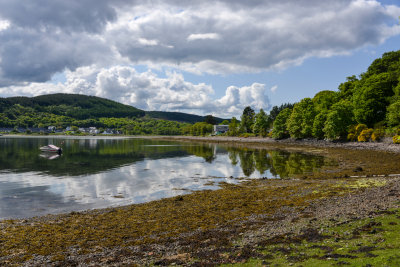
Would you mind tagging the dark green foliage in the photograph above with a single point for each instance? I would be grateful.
(371, 98)
(318, 125)
(276, 110)
(339, 118)
(346, 89)
(210, 120)
(75, 106)
(280, 130)
(324, 100)
(301, 120)
(178, 116)
(247, 120)
(261, 123)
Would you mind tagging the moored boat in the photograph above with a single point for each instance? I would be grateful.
(51, 148)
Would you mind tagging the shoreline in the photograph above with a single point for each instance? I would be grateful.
(206, 225)
(385, 145)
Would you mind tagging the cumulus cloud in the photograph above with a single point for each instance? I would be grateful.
(98, 37)
(148, 91)
(47, 36)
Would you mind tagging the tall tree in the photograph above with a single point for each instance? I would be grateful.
(261, 123)
(280, 130)
(247, 120)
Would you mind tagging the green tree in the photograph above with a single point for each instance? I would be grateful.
(339, 118)
(346, 89)
(318, 125)
(279, 127)
(210, 120)
(261, 123)
(324, 100)
(300, 122)
(371, 98)
(247, 120)
(393, 114)
(233, 127)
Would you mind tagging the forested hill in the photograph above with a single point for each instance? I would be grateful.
(178, 116)
(73, 105)
(88, 107)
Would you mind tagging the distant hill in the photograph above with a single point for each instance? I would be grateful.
(178, 116)
(91, 107)
(74, 105)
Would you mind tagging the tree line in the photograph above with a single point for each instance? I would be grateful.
(363, 108)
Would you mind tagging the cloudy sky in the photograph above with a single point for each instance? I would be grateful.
(201, 57)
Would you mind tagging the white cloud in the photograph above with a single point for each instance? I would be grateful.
(203, 36)
(274, 88)
(4, 24)
(145, 90)
(49, 37)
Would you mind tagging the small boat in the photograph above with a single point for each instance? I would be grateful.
(51, 148)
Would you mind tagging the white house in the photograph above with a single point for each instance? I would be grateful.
(219, 129)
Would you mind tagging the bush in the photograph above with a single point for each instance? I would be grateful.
(359, 128)
(352, 137)
(396, 139)
(377, 135)
(365, 135)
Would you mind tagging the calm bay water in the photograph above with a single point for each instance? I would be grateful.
(104, 172)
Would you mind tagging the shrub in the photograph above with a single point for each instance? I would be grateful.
(377, 135)
(359, 128)
(365, 135)
(396, 139)
(351, 137)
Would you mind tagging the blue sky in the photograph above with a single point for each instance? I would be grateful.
(200, 57)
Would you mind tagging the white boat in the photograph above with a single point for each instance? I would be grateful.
(51, 148)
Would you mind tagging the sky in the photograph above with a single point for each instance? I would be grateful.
(200, 57)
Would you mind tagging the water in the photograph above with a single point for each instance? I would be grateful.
(104, 172)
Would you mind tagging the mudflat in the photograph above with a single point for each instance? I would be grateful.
(347, 213)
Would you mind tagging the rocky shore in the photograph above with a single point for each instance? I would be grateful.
(341, 215)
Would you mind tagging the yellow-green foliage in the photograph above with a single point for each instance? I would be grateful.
(377, 135)
(365, 135)
(396, 139)
(351, 137)
(359, 128)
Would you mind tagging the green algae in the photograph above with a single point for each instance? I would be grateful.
(363, 242)
(156, 221)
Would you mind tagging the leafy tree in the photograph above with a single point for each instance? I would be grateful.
(339, 118)
(224, 122)
(371, 98)
(233, 127)
(346, 89)
(301, 120)
(210, 120)
(318, 125)
(247, 120)
(324, 100)
(276, 110)
(280, 130)
(393, 114)
(261, 123)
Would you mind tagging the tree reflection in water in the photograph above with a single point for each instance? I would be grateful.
(279, 163)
